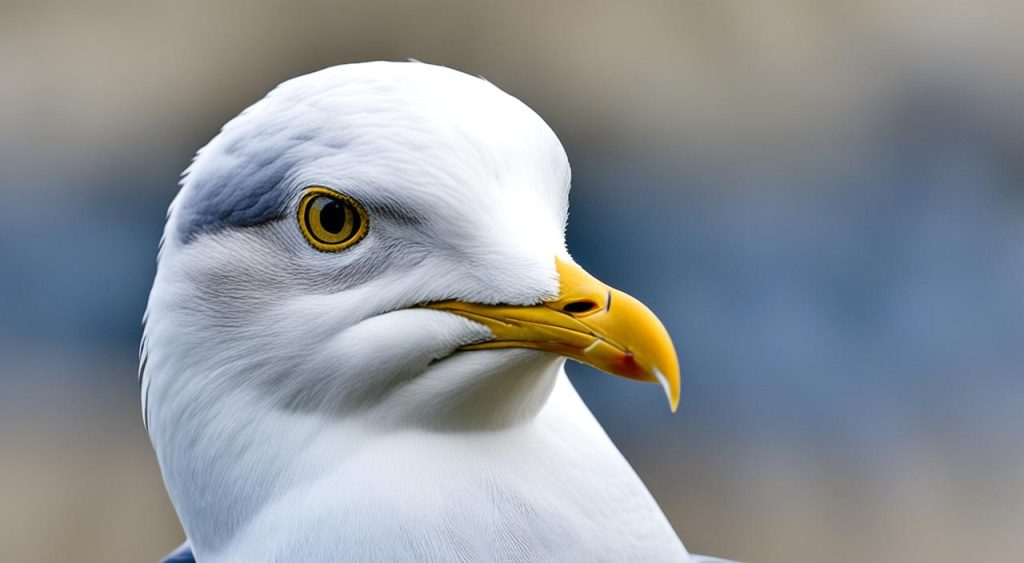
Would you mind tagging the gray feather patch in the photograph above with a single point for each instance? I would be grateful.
(239, 192)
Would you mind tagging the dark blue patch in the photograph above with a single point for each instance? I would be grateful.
(181, 555)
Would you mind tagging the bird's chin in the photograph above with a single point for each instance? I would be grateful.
(478, 389)
(446, 357)
(493, 360)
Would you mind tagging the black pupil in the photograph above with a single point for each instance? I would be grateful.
(332, 217)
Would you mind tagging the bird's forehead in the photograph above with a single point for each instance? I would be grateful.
(409, 132)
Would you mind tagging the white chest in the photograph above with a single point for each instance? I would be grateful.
(555, 489)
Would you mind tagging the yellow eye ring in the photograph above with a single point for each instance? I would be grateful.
(330, 221)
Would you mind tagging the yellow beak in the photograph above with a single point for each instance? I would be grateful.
(589, 322)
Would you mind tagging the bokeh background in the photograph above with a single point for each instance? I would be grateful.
(823, 200)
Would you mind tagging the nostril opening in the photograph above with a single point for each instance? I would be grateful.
(577, 307)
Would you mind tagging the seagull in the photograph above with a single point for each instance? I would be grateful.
(355, 339)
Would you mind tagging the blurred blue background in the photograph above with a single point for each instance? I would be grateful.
(823, 201)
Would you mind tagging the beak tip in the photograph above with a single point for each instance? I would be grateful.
(671, 388)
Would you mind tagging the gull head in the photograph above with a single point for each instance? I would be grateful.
(380, 241)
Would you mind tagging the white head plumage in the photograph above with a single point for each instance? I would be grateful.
(361, 311)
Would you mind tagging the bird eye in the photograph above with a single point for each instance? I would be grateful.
(331, 221)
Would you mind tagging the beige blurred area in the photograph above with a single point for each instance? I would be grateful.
(108, 78)
(757, 86)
